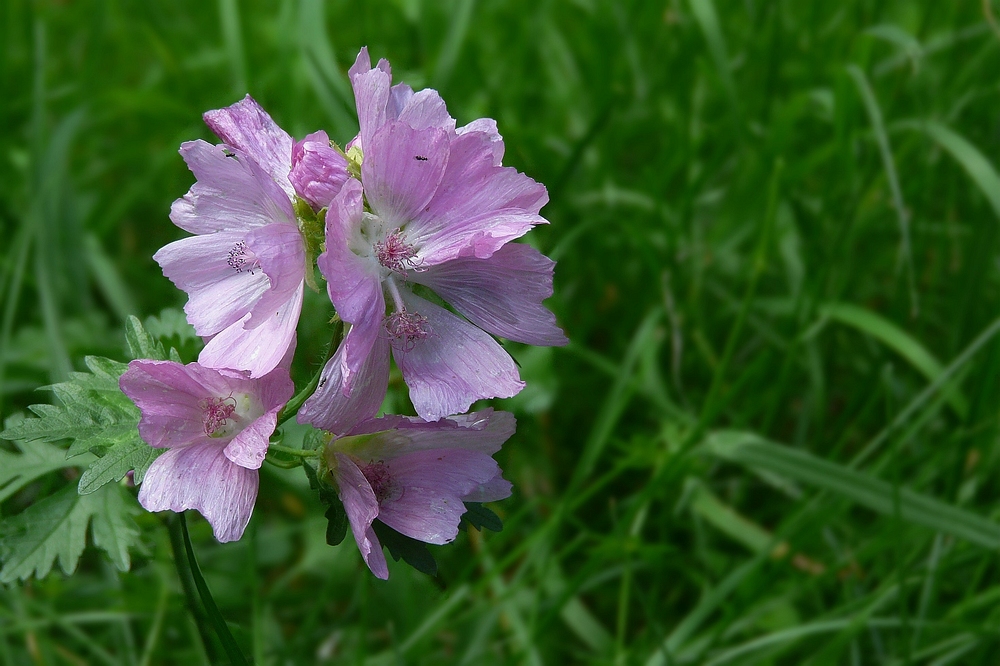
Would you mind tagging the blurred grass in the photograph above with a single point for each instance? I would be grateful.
(770, 217)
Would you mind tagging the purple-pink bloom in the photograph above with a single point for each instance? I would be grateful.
(414, 475)
(215, 425)
(244, 269)
(434, 207)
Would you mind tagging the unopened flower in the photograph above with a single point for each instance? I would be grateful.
(244, 269)
(215, 425)
(414, 475)
(434, 207)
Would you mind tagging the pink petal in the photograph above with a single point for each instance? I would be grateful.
(371, 94)
(353, 282)
(362, 508)
(258, 350)
(432, 485)
(478, 237)
(488, 131)
(337, 408)
(200, 477)
(218, 296)
(232, 193)
(494, 490)
(402, 169)
(502, 294)
(455, 365)
(483, 431)
(248, 128)
(318, 171)
(426, 109)
(168, 395)
(281, 253)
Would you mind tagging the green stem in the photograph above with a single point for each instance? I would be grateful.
(293, 406)
(301, 453)
(177, 530)
(211, 611)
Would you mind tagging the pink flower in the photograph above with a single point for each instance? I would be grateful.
(216, 425)
(434, 207)
(414, 476)
(244, 269)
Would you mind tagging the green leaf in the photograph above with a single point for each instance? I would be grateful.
(413, 552)
(899, 341)
(98, 418)
(478, 516)
(336, 527)
(33, 461)
(140, 343)
(752, 451)
(972, 160)
(55, 528)
(172, 329)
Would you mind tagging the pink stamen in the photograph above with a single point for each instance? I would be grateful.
(377, 474)
(405, 328)
(217, 413)
(394, 253)
(242, 258)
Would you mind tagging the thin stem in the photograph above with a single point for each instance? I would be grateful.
(214, 616)
(301, 453)
(178, 531)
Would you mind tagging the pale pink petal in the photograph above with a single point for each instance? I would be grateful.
(257, 350)
(455, 365)
(477, 237)
(218, 295)
(371, 95)
(248, 447)
(483, 431)
(425, 109)
(502, 294)
(169, 397)
(361, 508)
(487, 128)
(337, 408)
(281, 254)
(318, 171)
(399, 95)
(402, 169)
(200, 477)
(248, 128)
(430, 485)
(232, 193)
(353, 282)
(494, 490)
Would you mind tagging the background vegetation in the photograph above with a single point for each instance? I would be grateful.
(774, 436)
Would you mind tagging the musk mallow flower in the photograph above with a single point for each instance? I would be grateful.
(215, 425)
(244, 268)
(414, 475)
(434, 207)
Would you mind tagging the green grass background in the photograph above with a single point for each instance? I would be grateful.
(773, 438)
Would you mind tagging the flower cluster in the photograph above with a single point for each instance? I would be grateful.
(412, 206)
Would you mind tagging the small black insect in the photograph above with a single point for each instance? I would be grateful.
(420, 157)
(228, 153)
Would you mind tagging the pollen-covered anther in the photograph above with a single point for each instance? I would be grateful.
(405, 328)
(218, 411)
(242, 258)
(394, 253)
(378, 477)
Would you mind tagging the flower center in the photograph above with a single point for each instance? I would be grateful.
(377, 474)
(242, 258)
(218, 412)
(394, 253)
(405, 328)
